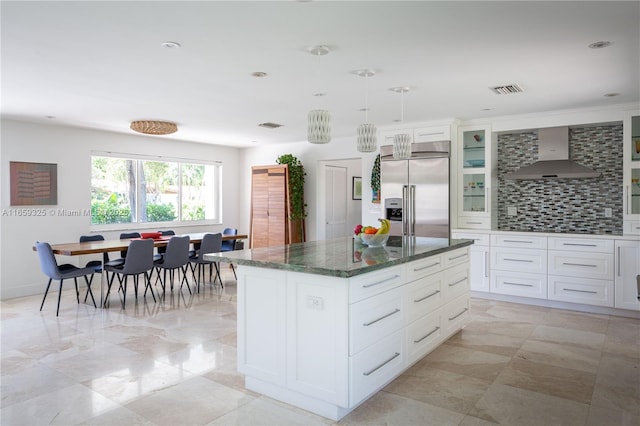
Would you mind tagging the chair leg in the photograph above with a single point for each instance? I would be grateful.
(233, 268)
(135, 286)
(184, 278)
(89, 290)
(45, 293)
(124, 291)
(75, 280)
(59, 296)
(218, 273)
(147, 278)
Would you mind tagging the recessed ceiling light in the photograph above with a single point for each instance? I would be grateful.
(611, 95)
(599, 44)
(171, 44)
(258, 74)
(50, 117)
(487, 109)
(364, 109)
(319, 50)
(320, 94)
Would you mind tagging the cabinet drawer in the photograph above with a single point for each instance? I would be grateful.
(423, 267)
(631, 227)
(519, 284)
(519, 241)
(478, 239)
(374, 367)
(430, 134)
(581, 290)
(456, 282)
(581, 245)
(519, 260)
(374, 318)
(372, 283)
(424, 296)
(455, 257)
(423, 336)
(596, 265)
(456, 314)
(474, 222)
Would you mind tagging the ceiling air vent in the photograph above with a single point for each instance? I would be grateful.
(507, 89)
(270, 125)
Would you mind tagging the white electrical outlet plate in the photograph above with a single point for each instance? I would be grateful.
(512, 211)
(608, 212)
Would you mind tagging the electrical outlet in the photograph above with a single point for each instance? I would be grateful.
(608, 212)
(512, 211)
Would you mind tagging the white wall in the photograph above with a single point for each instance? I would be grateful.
(311, 157)
(71, 149)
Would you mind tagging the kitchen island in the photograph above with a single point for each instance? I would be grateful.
(324, 325)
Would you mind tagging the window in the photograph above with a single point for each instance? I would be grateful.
(137, 191)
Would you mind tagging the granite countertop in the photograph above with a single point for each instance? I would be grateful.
(340, 257)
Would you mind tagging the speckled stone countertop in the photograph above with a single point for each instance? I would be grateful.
(340, 257)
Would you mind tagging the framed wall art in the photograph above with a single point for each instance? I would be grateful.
(33, 184)
(356, 188)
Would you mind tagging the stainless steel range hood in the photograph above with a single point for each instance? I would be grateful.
(554, 163)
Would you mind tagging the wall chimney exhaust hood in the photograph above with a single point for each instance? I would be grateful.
(554, 163)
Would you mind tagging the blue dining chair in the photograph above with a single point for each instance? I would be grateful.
(139, 260)
(50, 268)
(230, 245)
(211, 243)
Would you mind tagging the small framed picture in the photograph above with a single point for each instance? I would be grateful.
(356, 188)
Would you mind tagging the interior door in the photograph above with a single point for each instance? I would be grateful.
(336, 202)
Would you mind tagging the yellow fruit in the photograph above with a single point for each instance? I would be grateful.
(385, 227)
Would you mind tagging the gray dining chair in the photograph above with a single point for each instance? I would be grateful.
(211, 243)
(174, 259)
(139, 260)
(50, 268)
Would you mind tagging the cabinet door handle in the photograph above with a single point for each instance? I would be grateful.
(487, 204)
(426, 297)
(473, 223)
(519, 260)
(580, 291)
(579, 264)
(518, 241)
(431, 133)
(367, 324)
(458, 282)
(456, 316)
(427, 335)
(486, 264)
(619, 255)
(367, 373)
(458, 257)
(381, 282)
(520, 284)
(628, 198)
(425, 267)
(579, 245)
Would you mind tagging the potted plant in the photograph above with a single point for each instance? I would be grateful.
(296, 193)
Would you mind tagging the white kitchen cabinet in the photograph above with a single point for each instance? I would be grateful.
(476, 177)
(581, 270)
(479, 259)
(431, 133)
(631, 173)
(519, 265)
(326, 343)
(627, 262)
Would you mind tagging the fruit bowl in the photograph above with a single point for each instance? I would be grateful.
(375, 255)
(374, 240)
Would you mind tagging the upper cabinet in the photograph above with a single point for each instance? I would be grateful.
(475, 177)
(631, 173)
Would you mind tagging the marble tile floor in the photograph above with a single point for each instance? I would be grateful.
(174, 363)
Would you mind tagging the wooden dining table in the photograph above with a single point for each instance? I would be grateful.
(107, 246)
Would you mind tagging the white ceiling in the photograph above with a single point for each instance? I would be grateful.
(101, 64)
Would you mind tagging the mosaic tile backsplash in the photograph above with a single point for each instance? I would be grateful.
(563, 205)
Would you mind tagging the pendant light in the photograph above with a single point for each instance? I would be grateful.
(319, 120)
(401, 141)
(367, 132)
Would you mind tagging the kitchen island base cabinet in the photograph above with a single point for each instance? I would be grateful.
(326, 344)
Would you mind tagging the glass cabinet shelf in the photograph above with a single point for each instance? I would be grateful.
(473, 149)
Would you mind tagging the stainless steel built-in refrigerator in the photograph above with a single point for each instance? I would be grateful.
(415, 192)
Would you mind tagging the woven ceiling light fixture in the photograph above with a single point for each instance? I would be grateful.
(402, 141)
(367, 140)
(154, 127)
(319, 120)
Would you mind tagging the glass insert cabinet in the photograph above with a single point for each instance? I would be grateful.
(631, 174)
(474, 200)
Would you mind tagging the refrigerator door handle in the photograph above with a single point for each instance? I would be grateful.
(412, 200)
(405, 209)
